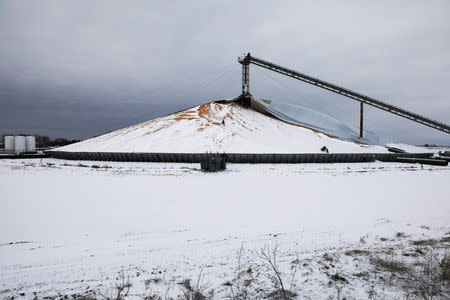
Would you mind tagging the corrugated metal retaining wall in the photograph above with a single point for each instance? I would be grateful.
(242, 158)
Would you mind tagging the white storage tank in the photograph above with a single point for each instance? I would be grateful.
(30, 143)
(19, 145)
(9, 144)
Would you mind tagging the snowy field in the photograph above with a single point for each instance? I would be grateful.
(353, 231)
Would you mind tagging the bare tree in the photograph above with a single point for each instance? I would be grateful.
(236, 290)
(194, 292)
(270, 257)
(121, 290)
(426, 276)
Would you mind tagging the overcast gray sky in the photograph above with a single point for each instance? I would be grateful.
(81, 68)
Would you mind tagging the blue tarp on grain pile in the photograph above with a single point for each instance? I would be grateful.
(303, 116)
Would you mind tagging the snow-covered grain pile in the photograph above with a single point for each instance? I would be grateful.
(217, 127)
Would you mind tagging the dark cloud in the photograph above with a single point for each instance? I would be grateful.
(81, 68)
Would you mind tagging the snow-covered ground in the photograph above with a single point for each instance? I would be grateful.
(220, 127)
(71, 227)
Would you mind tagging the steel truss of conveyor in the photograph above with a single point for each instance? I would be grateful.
(246, 60)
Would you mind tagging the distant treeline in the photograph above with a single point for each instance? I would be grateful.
(43, 141)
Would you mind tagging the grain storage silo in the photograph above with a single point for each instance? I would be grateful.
(9, 144)
(19, 144)
(30, 143)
